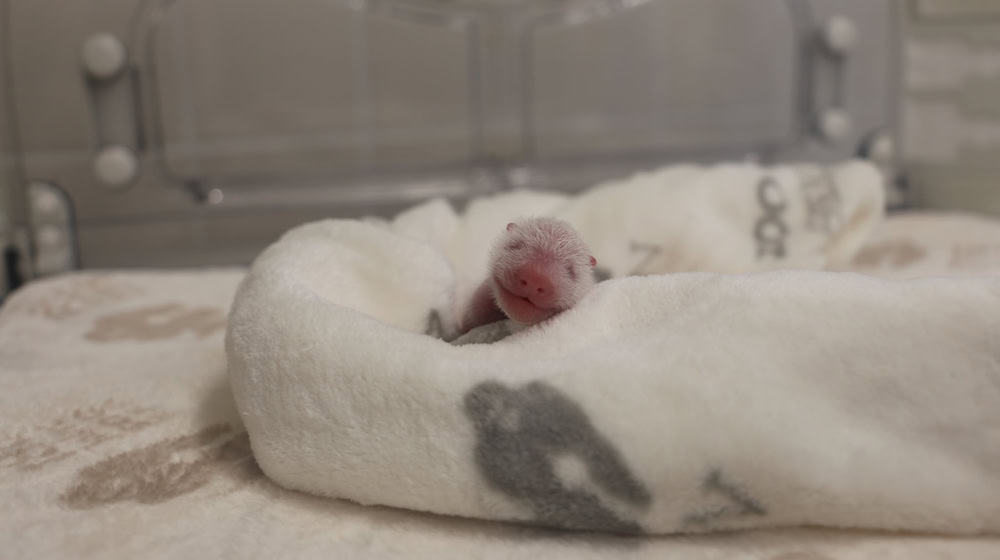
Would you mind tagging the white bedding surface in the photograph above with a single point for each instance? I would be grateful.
(119, 439)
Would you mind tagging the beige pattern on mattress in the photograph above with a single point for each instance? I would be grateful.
(119, 439)
(931, 244)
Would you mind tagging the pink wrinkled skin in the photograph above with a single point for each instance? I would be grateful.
(538, 268)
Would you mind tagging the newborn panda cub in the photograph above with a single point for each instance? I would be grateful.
(538, 267)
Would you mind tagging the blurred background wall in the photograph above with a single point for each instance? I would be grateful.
(951, 108)
(8, 177)
(272, 113)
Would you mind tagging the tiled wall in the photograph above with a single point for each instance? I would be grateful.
(951, 105)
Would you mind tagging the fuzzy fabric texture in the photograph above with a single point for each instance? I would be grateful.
(119, 437)
(734, 217)
(659, 404)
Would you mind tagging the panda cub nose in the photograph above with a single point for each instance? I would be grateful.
(534, 284)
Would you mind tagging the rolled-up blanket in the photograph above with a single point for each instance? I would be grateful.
(734, 217)
(665, 403)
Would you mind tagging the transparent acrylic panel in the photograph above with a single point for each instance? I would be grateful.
(244, 91)
(665, 76)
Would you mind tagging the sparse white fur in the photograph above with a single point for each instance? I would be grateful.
(550, 240)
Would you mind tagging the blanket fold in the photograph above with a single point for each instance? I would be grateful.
(666, 403)
(734, 217)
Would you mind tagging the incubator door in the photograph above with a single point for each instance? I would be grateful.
(194, 132)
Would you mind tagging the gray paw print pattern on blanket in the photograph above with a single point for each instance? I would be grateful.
(823, 205)
(522, 432)
(738, 502)
(823, 209)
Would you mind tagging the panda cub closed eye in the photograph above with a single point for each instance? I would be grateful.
(538, 268)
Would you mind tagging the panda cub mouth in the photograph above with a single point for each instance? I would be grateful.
(519, 308)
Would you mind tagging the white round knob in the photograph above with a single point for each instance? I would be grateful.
(840, 34)
(215, 196)
(116, 166)
(44, 201)
(103, 55)
(881, 149)
(834, 124)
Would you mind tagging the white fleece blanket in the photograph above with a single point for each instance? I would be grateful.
(737, 217)
(660, 404)
(119, 437)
